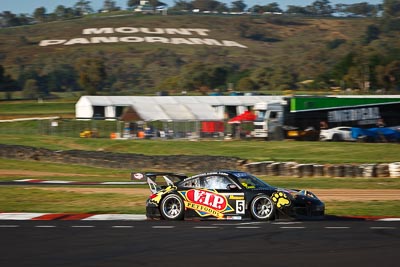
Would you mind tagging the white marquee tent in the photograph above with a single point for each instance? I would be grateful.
(166, 108)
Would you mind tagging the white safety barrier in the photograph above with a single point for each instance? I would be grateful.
(394, 169)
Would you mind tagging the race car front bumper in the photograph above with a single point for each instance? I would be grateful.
(309, 212)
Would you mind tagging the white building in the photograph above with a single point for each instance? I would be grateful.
(168, 108)
(145, 7)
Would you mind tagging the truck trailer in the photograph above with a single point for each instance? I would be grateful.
(302, 117)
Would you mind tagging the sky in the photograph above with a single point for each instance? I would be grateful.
(28, 6)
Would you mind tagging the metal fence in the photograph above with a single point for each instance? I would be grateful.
(111, 129)
(66, 128)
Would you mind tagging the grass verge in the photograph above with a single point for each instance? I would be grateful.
(365, 208)
(21, 199)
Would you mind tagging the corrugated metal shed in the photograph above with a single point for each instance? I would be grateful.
(166, 108)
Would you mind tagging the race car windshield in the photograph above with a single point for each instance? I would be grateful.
(251, 182)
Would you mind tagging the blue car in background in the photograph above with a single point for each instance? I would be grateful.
(380, 134)
(346, 133)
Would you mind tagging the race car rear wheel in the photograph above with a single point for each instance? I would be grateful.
(172, 207)
(336, 138)
(262, 208)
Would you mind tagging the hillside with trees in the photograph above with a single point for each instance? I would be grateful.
(308, 52)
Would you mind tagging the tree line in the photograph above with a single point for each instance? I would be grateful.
(82, 7)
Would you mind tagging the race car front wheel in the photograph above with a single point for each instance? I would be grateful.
(172, 207)
(262, 208)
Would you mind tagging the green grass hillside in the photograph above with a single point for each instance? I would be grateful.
(303, 47)
(15, 109)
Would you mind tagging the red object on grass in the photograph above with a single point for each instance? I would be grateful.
(212, 126)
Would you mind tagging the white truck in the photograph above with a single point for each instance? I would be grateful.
(269, 120)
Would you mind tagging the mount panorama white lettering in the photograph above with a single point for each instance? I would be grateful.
(188, 40)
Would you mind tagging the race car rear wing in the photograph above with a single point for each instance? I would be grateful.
(152, 179)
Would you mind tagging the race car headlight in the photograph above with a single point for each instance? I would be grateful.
(307, 194)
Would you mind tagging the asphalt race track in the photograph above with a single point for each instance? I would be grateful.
(192, 243)
(118, 240)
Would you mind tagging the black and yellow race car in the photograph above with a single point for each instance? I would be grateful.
(226, 195)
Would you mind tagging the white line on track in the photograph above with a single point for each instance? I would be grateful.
(249, 223)
(200, 227)
(226, 224)
(237, 224)
(337, 227)
(377, 227)
(118, 217)
(286, 223)
(389, 220)
(292, 227)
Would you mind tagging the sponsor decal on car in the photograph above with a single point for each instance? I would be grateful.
(206, 202)
(238, 197)
(281, 200)
(156, 198)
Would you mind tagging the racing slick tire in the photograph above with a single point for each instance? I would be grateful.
(262, 208)
(172, 207)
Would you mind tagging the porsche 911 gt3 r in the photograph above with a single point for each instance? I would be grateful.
(228, 195)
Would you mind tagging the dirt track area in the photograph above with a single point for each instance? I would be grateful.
(126, 191)
(357, 194)
(323, 194)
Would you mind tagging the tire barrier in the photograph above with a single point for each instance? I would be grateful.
(319, 170)
(288, 169)
(273, 168)
(254, 167)
(184, 163)
(293, 169)
(264, 166)
(382, 170)
(394, 169)
(350, 170)
(304, 170)
(328, 170)
(369, 170)
(173, 163)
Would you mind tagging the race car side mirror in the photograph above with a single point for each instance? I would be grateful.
(232, 187)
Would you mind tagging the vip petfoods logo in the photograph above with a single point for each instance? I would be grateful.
(206, 202)
(143, 35)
